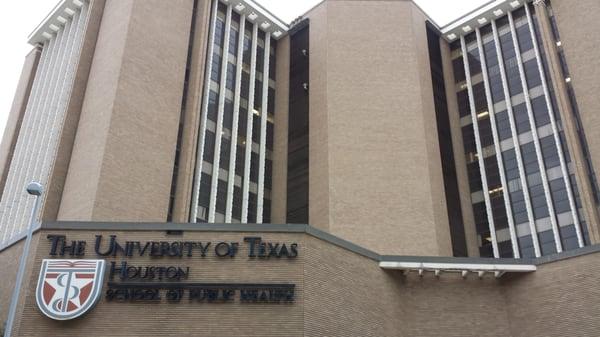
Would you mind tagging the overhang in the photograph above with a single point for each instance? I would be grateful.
(54, 21)
(455, 265)
(479, 17)
(60, 14)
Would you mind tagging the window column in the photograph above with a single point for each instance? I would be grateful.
(515, 137)
(486, 194)
(220, 112)
(236, 116)
(536, 140)
(263, 129)
(248, 153)
(492, 112)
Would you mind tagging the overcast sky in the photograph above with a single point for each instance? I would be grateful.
(19, 18)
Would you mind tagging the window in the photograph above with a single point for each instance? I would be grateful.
(559, 196)
(213, 97)
(230, 78)
(549, 152)
(532, 74)
(524, 36)
(209, 147)
(540, 111)
(459, 69)
(503, 125)
(521, 118)
(233, 41)
(529, 158)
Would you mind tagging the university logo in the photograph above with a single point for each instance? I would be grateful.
(67, 289)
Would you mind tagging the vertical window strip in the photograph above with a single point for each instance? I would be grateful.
(536, 140)
(482, 172)
(29, 134)
(505, 189)
(41, 118)
(39, 84)
(517, 147)
(557, 140)
(203, 114)
(44, 114)
(248, 152)
(50, 144)
(37, 89)
(220, 113)
(263, 130)
(236, 116)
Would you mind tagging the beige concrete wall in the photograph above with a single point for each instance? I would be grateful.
(280, 136)
(122, 161)
(374, 154)
(15, 115)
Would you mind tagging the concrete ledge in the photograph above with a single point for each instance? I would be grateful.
(461, 260)
(298, 228)
(568, 254)
(162, 226)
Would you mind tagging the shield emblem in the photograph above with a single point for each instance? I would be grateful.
(67, 289)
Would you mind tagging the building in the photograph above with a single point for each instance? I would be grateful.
(417, 171)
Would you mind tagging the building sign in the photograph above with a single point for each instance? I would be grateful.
(68, 288)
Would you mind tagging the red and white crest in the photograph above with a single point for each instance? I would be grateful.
(67, 289)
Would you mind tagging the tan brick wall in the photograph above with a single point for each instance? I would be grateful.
(343, 294)
(319, 175)
(349, 295)
(280, 137)
(559, 299)
(185, 318)
(338, 293)
(187, 157)
(9, 264)
(122, 162)
(374, 155)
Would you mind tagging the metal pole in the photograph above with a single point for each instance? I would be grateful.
(34, 188)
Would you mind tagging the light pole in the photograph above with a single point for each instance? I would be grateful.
(34, 188)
